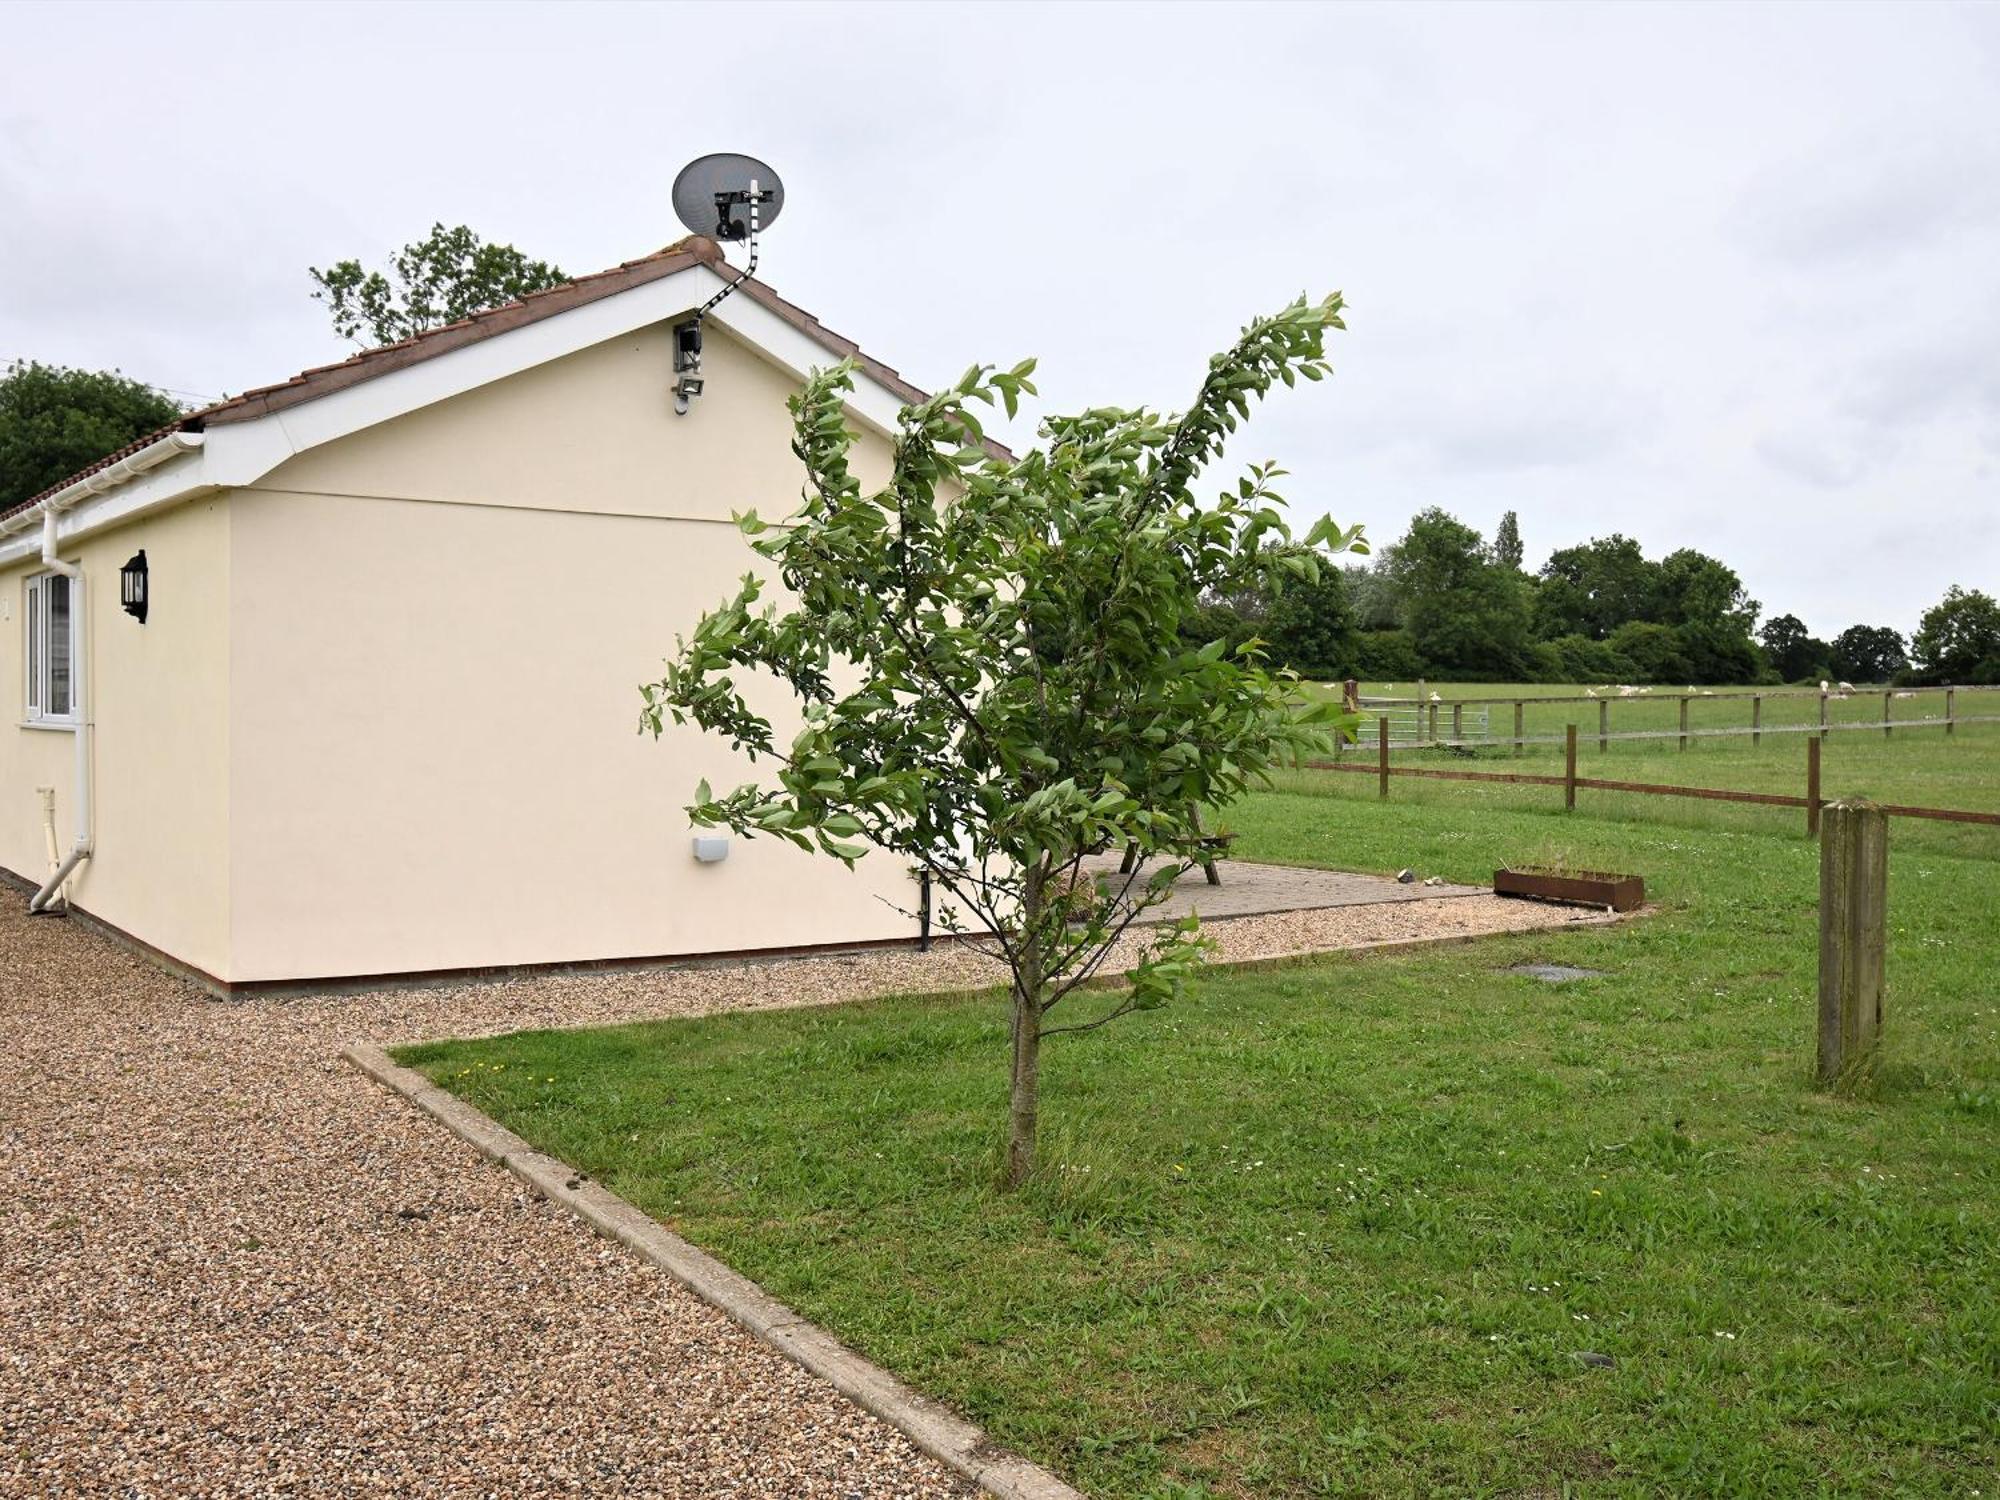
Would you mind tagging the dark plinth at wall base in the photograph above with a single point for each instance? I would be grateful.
(1576, 887)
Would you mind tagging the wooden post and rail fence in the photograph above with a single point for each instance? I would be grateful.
(1571, 783)
(1417, 720)
(1854, 862)
(1853, 900)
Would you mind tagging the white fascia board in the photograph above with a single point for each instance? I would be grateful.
(178, 479)
(245, 451)
(785, 345)
(235, 454)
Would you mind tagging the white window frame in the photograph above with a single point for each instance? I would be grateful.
(37, 657)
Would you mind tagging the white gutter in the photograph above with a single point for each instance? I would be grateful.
(108, 478)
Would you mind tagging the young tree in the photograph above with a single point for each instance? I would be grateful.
(1868, 653)
(1507, 541)
(1958, 639)
(448, 275)
(1235, 619)
(54, 421)
(985, 651)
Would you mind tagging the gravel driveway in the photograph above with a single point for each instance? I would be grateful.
(230, 1265)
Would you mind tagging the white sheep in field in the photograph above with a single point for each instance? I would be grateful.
(1437, 698)
(1590, 692)
(1628, 692)
(1847, 687)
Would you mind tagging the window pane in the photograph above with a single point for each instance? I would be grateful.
(34, 647)
(59, 656)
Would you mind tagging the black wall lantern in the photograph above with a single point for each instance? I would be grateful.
(132, 586)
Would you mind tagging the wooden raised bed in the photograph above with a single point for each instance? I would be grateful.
(1580, 887)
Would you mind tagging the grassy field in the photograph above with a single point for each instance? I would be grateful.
(1349, 1228)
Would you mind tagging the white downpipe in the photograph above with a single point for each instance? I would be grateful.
(79, 639)
(48, 796)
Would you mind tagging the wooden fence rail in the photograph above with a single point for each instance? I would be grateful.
(1727, 695)
(1604, 736)
(1418, 718)
(1571, 783)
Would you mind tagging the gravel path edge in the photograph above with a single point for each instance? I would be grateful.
(933, 1428)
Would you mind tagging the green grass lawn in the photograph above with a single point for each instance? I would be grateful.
(1347, 1228)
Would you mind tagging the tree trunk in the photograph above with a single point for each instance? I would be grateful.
(1025, 1099)
(1025, 1079)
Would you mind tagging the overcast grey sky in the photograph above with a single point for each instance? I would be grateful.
(1713, 276)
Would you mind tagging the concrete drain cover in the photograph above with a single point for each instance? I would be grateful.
(1554, 973)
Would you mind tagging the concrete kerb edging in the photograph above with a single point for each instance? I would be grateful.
(939, 1432)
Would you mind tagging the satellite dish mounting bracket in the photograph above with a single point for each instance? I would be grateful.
(728, 227)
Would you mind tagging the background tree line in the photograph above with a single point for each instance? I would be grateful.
(1444, 603)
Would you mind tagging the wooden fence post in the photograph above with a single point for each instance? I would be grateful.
(1684, 722)
(1517, 727)
(1950, 708)
(1569, 770)
(1434, 724)
(1812, 788)
(1822, 713)
(1382, 753)
(1886, 696)
(1458, 723)
(1756, 718)
(1603, 726)
(1853, 935)
(1350, 703)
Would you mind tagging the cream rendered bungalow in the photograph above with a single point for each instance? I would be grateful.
(380, 714)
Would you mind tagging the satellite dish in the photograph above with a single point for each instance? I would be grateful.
(728, 197)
